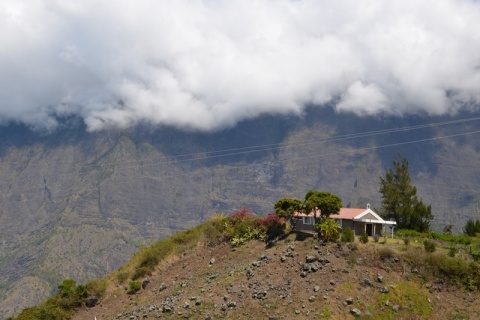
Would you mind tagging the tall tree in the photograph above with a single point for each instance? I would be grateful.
(327, 202)
(400, 201)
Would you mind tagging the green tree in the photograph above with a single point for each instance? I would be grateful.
(448, 229)
(400, 201)
(327, 202)
(285, 207)
(472, 227)
(328, 229)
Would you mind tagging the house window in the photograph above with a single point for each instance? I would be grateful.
(339, 221)
(308, 220)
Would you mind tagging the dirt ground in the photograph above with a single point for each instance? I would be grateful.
(255, 282)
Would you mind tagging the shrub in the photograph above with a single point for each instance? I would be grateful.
(243, 226)
(406, 240)
(385, 253)
(409, 233)
(134, 286)
(452, 251)
(376, 237)
(328, 229)
(429, 246)
(352, 246)
(274, 225)
(363, 237)
(348, 235)
(472, 227)
(122, 277)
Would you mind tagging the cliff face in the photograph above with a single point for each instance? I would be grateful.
(77, 204)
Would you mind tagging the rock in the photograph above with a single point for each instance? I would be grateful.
(316, 288)
(303, 274)
(366, 282)
(256, 263)
(311, 298)
(249, 273)
(349, 300)
(162, 287)
(290, 248)
(396, 308)
(379, 278)
(332, 282)
(383, 289)
(310, 259)
(212, 261)
(145, 283)
(231, 304)
(306, 267)
(91, 301)
(356, 312)
(283, 259)
(167, 308)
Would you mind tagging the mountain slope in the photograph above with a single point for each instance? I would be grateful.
(77, 204)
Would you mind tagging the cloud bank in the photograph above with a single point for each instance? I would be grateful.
(205, 65)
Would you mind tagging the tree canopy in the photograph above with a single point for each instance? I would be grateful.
(327, 202)
(285, 207)
(400, 201)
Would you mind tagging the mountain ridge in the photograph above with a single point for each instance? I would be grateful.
(77, 204)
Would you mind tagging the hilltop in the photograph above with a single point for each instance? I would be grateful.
(296, 277)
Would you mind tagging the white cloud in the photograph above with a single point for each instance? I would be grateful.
(209, 64)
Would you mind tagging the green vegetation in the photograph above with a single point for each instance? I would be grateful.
(62, 306)
(328, 229)
(400, 201)
(363, 237)
(347, 235)
(429, 246)
(134, 287)
(403, 301)
(286, 207)
(326, 202)
(472, 228)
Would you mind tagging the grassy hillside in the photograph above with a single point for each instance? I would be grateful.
(199, 274)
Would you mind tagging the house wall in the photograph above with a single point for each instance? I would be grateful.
(369, 216)
(300, 226)
(359, 227)
(346, 224)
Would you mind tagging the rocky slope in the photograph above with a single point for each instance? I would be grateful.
(292, 280)
(77, 204)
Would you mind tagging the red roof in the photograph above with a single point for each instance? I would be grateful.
(348, 213)
(311, 214)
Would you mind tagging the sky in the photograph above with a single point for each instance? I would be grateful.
(206, 65)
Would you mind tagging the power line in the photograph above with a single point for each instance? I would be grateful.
(237, 151)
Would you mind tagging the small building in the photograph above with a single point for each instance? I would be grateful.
(356, 218)
(360, 220)
(306, 222)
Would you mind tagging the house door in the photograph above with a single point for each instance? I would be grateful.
(369, 229)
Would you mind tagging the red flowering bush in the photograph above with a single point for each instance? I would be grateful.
(244, 226)
(274, 225)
